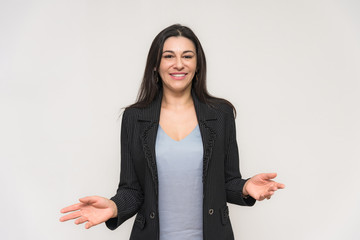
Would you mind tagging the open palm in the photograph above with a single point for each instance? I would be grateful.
(93, 210)
(261, 186)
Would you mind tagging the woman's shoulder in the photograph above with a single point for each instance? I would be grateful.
(130, 113)
(222, 106)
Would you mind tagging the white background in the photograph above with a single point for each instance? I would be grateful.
(291, 68)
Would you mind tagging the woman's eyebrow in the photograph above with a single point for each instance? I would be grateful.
(189, 51)
(186, 51)
(169, 51)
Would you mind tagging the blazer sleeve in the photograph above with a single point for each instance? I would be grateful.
(234, 183)
(129, 195)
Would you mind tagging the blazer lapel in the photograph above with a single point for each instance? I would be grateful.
(150, 118)
(206, 119)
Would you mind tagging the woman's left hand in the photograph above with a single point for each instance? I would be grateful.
(261, 186)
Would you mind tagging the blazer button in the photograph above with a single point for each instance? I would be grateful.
(152, 215)
(211, 211)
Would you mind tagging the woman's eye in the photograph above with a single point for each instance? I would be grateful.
(168, 56)
(188, 56)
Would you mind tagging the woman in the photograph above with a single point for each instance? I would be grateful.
(179, 156)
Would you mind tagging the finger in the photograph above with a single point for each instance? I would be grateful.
(81, 220)
(271, 193)
(261, 197)
(71, 208)
(268, 194)
(70, 216)
(272, 188)
(276, 186)
(89, 225)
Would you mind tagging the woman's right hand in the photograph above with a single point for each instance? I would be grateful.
(93, 210)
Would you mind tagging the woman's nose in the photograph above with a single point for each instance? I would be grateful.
(179, 64)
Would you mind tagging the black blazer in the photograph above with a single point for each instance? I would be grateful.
(138, 187)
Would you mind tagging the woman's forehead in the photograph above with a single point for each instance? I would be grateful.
(178, 44)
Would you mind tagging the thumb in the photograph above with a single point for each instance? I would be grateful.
(270, 175)
(88, 200)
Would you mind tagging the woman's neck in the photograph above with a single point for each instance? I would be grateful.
(177, 100)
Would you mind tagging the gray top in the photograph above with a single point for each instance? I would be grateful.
(180, 167)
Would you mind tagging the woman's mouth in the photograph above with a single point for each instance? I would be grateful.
(178, 76)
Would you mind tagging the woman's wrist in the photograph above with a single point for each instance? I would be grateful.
(244, 191)
(114, 208)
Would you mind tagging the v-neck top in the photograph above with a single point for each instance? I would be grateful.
(180, 167)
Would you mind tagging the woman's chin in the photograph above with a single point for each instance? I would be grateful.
(178, 87)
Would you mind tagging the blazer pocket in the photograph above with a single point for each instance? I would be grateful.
(224, 212)
(140, 221)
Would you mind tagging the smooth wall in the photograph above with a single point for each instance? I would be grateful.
(291, 68)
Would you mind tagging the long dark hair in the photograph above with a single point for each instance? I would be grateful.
(151, 83)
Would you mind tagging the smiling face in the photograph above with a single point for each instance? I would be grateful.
(178, 64)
